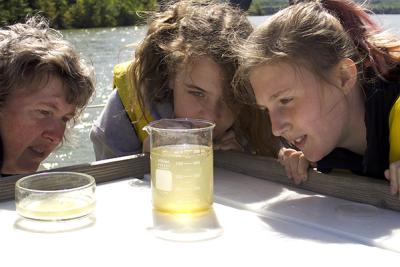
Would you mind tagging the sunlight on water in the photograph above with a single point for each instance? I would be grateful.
(103, 48)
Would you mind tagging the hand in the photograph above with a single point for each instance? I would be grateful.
(296, 165)
(393, 175)
(227, 142)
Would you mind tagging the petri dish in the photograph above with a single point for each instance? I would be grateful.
(55, 196)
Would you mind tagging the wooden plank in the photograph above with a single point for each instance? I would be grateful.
(356, 188)
(351, 187)
(102, 171)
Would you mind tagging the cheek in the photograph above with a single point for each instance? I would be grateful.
(179, 110)
(11, 130)
(259, 97)
(179, 104)
(309, 117)
(19, 135)
(260, 91)
(14, 143)
(228, 117)
(224, 122)
(308, 111)
(186, 106)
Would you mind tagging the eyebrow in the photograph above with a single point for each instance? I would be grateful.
(55, 107)
(51, 105)
(277, 94)
(192, 86)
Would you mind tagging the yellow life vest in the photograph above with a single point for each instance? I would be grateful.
(394, 132)
(129, 99)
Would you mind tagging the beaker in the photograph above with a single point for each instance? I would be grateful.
(181, 159)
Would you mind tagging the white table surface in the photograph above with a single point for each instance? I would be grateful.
(253, 223)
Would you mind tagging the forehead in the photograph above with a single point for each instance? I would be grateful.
(48, 85)
(201, 70)
(49, 91)
(282, 73)
(273, 75)
(271, 81)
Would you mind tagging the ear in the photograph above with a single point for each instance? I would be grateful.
(346, 74)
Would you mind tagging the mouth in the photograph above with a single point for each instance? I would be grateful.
(39, 153)
(299, 142)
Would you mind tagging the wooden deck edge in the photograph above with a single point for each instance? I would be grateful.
(102, 171)
(351, 187)
(356, 188)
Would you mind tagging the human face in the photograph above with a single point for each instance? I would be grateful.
(198, 94)
(32, 125)
(307, 112)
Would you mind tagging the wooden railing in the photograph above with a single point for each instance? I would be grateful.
(356, 188)
(351, 187)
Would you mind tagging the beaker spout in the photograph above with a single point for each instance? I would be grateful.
(147, 129)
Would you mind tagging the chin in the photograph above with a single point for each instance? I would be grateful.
(313, 157)
(27, 169)
(30, 169)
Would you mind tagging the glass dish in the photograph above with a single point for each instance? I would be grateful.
(55, 196)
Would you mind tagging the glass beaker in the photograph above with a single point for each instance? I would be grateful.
(55, 196)
(182, 170)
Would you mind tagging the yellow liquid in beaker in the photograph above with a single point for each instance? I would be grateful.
(55, 208)
(182, 178)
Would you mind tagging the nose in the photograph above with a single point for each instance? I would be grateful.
(217, 111)
(279, 124)
(54, 132)
(209, 116)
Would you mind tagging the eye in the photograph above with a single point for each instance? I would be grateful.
(197, 93)
(286, 100)
(44, 113)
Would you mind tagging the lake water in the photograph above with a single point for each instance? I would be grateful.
(103, 48)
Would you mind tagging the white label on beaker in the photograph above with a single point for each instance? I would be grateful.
(164, 180)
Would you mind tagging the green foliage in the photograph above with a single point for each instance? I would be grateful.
(264, 7)
(107, 13)
(13, 10)
(91, 13)
(78, 13)
(131, 11)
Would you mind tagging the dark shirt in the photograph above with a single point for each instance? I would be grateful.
(1, 153)
(380, 98)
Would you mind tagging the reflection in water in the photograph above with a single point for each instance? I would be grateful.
(186, 227)
(37, 226)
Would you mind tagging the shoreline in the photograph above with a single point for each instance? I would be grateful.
(272, 10)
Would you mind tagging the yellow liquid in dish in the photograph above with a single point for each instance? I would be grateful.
(55, 207)
(182, 178)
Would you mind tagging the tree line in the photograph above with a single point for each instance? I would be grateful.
(267, 7)
(64, 14)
